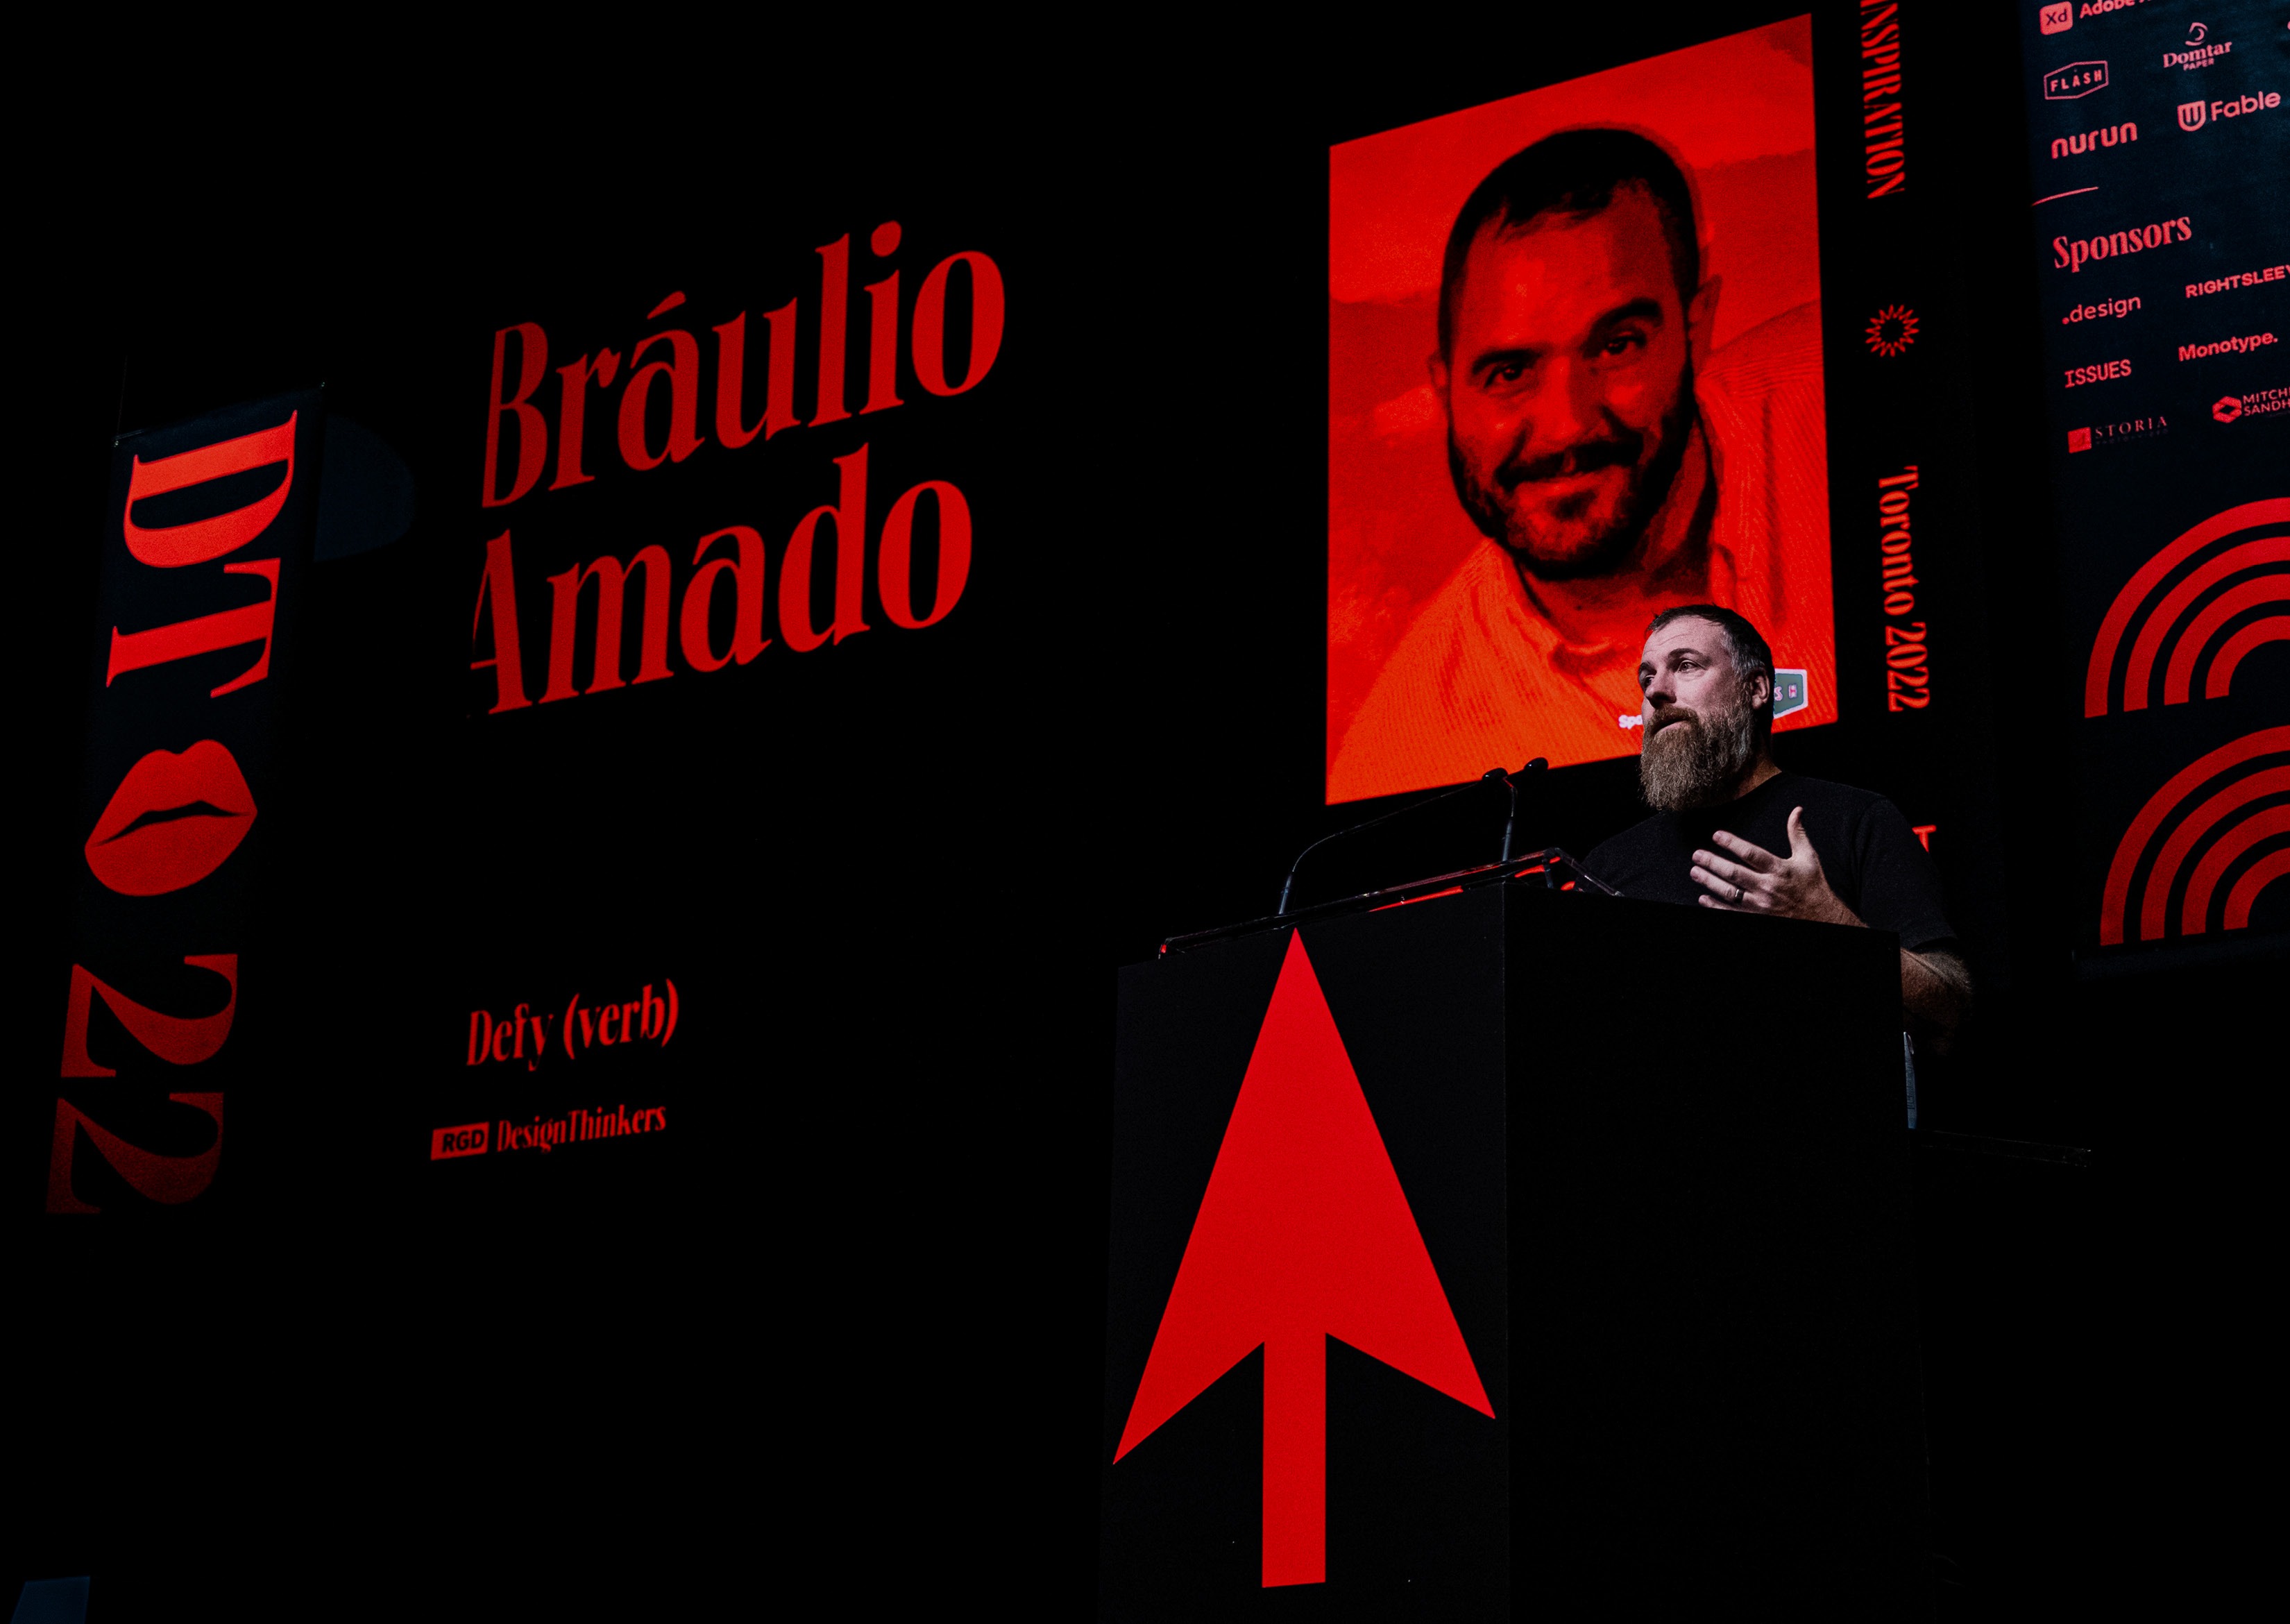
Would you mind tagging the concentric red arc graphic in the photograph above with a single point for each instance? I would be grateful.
(2235, 819)
(1304, 1233)
(2193, 613)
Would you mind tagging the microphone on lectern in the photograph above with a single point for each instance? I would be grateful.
(1493, 775)
(1510, 780)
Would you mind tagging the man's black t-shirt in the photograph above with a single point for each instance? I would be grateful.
(1873, 860)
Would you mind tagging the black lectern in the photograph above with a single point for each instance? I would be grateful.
(1513, 1248)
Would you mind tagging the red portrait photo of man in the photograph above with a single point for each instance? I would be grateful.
(1574, 378)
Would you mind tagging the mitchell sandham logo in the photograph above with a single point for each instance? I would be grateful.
(2194, 115)
(2256, 403)
(2076, 79)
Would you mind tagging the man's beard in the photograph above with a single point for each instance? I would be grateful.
(1610, 545)
(1697, 759)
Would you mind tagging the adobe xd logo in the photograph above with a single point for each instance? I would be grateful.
(1303, 1234)
(2057, 19)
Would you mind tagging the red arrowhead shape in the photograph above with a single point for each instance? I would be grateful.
(1304, 1233)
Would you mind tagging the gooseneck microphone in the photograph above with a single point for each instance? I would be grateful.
(1510, 820)
(1493, 775)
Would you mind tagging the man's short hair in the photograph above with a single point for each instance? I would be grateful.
(1574, 172)
(1752, 656)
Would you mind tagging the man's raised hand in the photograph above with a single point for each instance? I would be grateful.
(1754, 881)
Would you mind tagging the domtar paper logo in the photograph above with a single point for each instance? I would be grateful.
(2192, 115)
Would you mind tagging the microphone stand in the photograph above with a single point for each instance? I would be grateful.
(1492, 775)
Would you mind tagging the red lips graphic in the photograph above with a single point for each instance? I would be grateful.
(172, 822)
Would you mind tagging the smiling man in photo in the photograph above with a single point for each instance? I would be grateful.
(1615, 465)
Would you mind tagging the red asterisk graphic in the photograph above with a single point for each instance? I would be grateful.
(1892, 330)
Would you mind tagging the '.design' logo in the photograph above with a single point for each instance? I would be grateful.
(1892, 330)
(2074, 80)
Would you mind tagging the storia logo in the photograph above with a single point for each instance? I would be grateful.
(2076, 79)
(2194, 115)
(2100, 435)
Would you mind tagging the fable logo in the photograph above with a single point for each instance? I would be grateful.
(2075, 80)
(2194, 116)
(2100, 435)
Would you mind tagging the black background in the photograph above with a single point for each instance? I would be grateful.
(846, 1330)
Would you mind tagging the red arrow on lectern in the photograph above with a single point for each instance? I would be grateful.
(1304, 1233)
